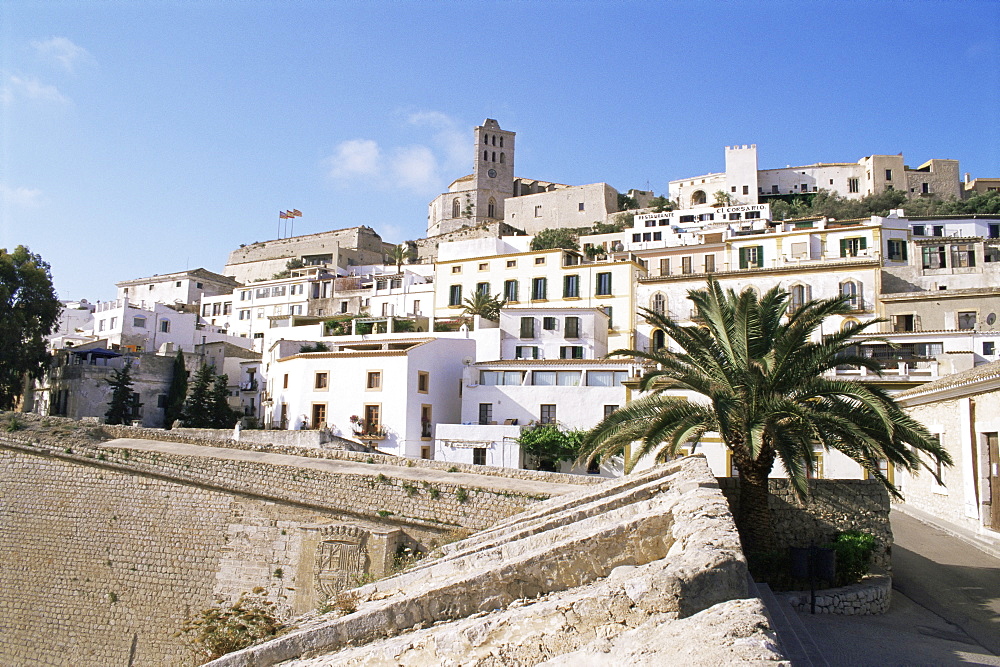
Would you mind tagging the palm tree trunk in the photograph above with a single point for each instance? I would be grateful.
(754, 517)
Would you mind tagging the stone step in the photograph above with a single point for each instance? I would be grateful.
(796, 642)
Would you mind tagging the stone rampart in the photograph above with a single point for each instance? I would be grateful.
(869, 597)
(106, 549)
(833, 506)
(578, 576)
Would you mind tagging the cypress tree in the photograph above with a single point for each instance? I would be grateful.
(198, 408)
(223, 416)
(177, 392)
(120, 407)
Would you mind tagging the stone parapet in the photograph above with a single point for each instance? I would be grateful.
(871, 596)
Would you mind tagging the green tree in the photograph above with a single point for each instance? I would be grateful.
(555, 238)
(222, 416)
(29, 311)
(763, 384)
(198, 408)
(122, 406)
(606, 228)
(551, 445)
(661, 204)
(484, 305)
(723, 198)
(176, 393)
(397, 256)
(625, 202)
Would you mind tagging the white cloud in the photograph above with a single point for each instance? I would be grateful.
(31, 89)
(414, 168)
(63, 52)
(449, 139)
(21, 197)
(353, 158)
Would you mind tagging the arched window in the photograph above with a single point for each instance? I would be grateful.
(501, 158)
(501, 142)
(800, 294)
(494, 140)
(486, 156)
(848, 321)
(456, 208)
(659, 340)
(698, 197)
(851, 289)
(494, 156)
(658, 304)
(486, 139)
(491, 208)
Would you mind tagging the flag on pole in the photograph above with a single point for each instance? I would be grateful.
(283, 215)
(296, 212)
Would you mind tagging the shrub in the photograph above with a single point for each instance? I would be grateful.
(854, 551)
(14, 423)
(461, 495)
(220, 630)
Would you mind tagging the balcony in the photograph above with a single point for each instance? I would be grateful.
(248, 386)
(372, 432)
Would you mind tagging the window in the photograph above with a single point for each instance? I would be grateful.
(139, 322)
(425, 421)
(925, 188)
(374, 381)
(527, 327)
(853, 185)
(161, 401)
(606, 378)
(709, 263)
(343, 306)
(555, 378)
(665, 266)
(852, 291)
(896, 250)
(547, 414)
(919, 230)
(906, 322)
(933, 257)
(510, 291)
(206, 310)
(423, 381)
(607, 310)
(963, 255)
(483, 288)
(571, 286)
(484, 266)
(227, 308)
(164, 326)
(800, 295)
(511, 263)
(539, 289)
(538, 211)
(937, 230)
(580, 206)
(178, 284)
(263, 292)
(455, 295)
(318, 415)
(804, 187)
(752, 257)
(888, 174)
(853, 247)
(609, 409)
(284, 384)
(685, 264)
(659, 340)
(549, 323)
(278, 290)
(539, 261)
(525, 352)
(571, 352)
(989, 348)
(966, 319)
(245, 295)
(994, 231)
(572, 327)
(496, 378)
(603, 284)
(321, 380)
(456, 269)
(491, 207)
(485, 413)
(479, 456)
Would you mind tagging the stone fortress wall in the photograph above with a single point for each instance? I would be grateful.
(106, 551)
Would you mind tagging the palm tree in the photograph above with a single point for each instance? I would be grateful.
(762, 382)
(484, 305)
(398, 256)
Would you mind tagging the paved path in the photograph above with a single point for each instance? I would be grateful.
(416, 473)
(953, 579)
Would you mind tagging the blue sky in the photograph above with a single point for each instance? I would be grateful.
(148, 137)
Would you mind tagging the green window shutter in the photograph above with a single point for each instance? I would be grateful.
(760, 256)
(864, 243)
(843, 247)
(903, 246)
(743, 258)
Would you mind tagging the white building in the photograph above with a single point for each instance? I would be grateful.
(744, 183)
(182, 287)
(388, 391)
(131, 328)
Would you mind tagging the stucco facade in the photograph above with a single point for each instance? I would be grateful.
(182, 287)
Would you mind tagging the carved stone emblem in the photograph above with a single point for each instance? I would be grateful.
(341, 558)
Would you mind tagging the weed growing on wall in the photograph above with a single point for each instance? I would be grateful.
(220, 630)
